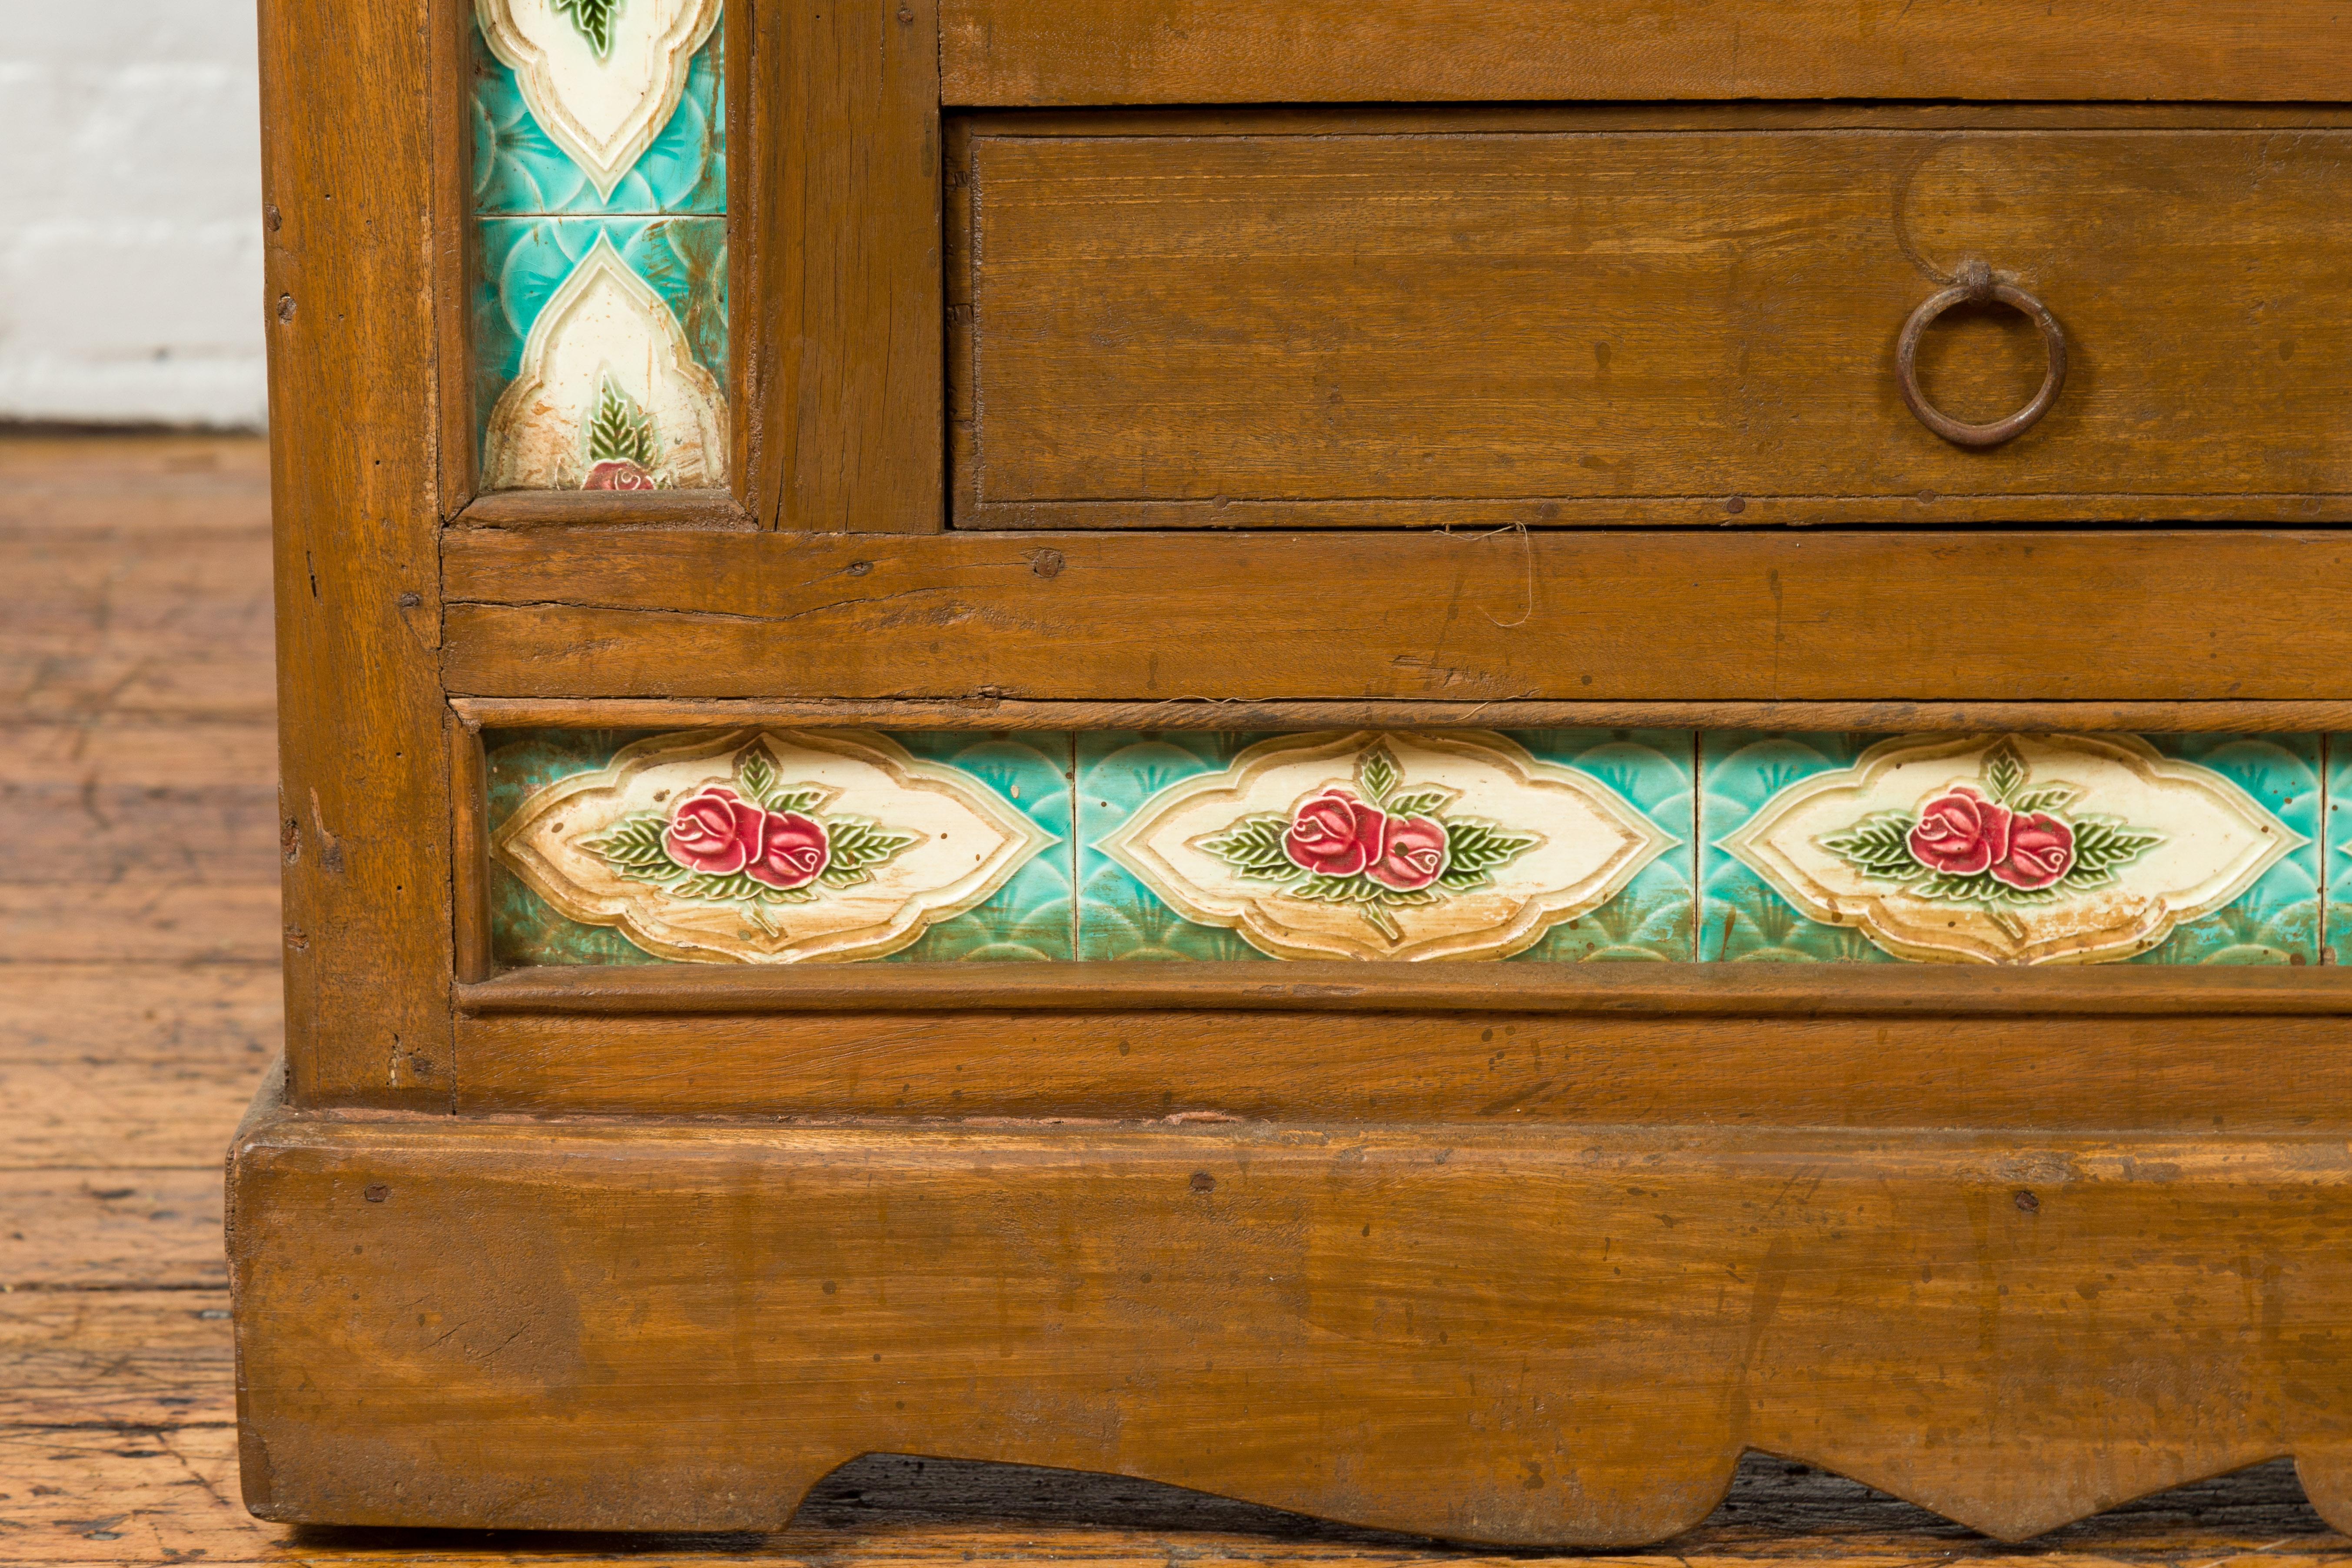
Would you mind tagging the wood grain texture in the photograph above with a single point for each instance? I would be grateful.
(2171, 1073)
(1721, 990)
(2156, 615)
(843, 371)
(352, 267)
(1025, 53)
(1519, 1336)
(1546, 322)
(2244, 718)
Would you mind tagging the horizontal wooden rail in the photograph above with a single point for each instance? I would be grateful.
(2257, 718)
(1717, 990)
(2157, 616)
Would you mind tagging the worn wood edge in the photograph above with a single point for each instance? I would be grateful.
(746, 297)
(2252, 717)
(452, 230)
(1677, 115)
(469, 896)
(1926, 509)
(1747, 614)
(1760, 991)
(571, 1163)
(1007, 53)
(356, 497)
(605, 509)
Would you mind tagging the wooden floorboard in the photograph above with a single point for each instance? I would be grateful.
(138, 826)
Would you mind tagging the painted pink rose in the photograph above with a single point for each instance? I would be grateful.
(796, 851)
(1960, 833)
(2041, 850)
(1415, 856)
(618, 474)
(1336, 835)
(715, 832)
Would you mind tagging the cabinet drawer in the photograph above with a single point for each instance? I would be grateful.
(1563, 317)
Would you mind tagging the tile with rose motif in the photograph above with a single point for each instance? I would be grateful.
(1353, 844)
(599, 351)
(521, 168)
(601, 85)
(776, 847)
(1979, 849)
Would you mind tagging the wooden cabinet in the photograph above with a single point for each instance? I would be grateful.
(1260, 746)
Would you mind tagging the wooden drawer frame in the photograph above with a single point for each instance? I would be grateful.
(822, 589)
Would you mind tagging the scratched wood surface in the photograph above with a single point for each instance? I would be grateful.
(1012, 53)
(122, 1070)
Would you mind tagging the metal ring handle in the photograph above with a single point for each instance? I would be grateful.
(1977, 286)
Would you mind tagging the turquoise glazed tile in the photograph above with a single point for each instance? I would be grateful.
(1740, 916)
(1650, 918)
(1119, 917)
(518, 169)
(2336, 857)
(1030, 917)
(2277, 919)
(643, 308)
(524, 928)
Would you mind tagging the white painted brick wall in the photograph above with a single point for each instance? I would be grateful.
(130, 212)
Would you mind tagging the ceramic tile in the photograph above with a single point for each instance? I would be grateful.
(777, 846)
(521, 169)
(1361, 845)
(1740, 916)
(599, 106)
(1030, 917)
(2275, 920)
(1652, 918)
(2335, 866)
(1117, 916)
(601, 352)
(2016, 849)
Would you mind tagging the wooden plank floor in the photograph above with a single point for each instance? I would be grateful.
(137, 825)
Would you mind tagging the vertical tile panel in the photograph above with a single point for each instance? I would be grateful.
(1651, 916)
(626, 395)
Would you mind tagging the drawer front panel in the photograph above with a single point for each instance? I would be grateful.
(1562, 325)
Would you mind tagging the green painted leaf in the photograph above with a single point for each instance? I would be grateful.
(1421, 802)
(619, 431)
(2104, 843)
(756, 776)
(2049, 797)
(1338, 889)
(1377, 773)
(594, 19)
(858, 845)
(1877, 846)
(804, 799)
(2004, 771)
(1473, 845)
(633, 844)
(1252, 846)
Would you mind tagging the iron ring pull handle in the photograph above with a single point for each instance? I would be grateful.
(1976, 286)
